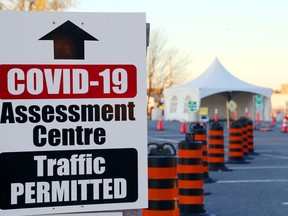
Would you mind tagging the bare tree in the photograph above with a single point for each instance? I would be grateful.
(165, 65)
(36, 5)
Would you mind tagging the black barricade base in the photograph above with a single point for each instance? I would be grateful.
(236, 160)
(198, 210)
(209, 180)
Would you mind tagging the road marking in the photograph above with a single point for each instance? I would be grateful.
(251, 181)
(275, 156)
(259, 167)
(285, 203)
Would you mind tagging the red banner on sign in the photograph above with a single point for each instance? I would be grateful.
(67, 81)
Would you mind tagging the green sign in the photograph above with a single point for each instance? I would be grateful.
(192, 106)
(259, 99)
(259, 102)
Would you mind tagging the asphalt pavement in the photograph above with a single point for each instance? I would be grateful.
(258, 188)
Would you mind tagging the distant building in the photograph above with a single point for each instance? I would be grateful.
(284, 88)
(279, 102)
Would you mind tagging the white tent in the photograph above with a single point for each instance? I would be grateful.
(212, 89)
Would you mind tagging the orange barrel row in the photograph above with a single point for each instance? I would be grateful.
(190, 178)
(216, 153)
(236, 153)
(162, 181)
(244, 122)
(199, 133)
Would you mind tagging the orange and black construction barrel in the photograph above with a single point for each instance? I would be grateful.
(236, 154)
(251, 138)
(216, 152)
(200, 134)
(244, 122)
(190, 178)
(162, 181)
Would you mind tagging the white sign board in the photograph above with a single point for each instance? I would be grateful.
(73, 123)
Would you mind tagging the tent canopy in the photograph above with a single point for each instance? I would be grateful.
(213, 88)
(217, 79)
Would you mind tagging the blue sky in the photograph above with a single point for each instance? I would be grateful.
(249, 37)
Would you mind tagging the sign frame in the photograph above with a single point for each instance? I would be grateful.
(232, 106)
(99, 125)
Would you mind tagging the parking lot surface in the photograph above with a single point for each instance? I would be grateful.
(258, 188)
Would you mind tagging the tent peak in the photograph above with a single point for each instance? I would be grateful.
(217, 67)
(216, 78)
(216, 60)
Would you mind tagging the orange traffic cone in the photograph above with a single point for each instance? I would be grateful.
(183, 127)
(160, 124)
(235, 115)
(284, 125)
(216, 115)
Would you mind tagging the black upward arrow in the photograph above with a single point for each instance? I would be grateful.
(68, 41)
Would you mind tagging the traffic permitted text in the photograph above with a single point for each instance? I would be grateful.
(54, 178)
(68, 190)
